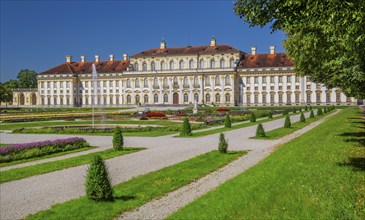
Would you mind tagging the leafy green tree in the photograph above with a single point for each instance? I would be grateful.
(6, 94)
(118, 141)
(311, 115)
(252, 117)
(287, 123)
(325, 38)
(223, 144)
(27, 78)
(302, 118)
(227, 122)
(260, 132)
(186, 128)
(98, 186)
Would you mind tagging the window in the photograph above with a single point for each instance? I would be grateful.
(280, 88)
(348, 99)
(309, 98)
(338, 97)
(155, 82)
(196, 81)
(186, 82)
(212, 64)
(110, 100)
(318, 86)
(227, 80)
(155, 98)
(248, 98)
(181, 64)
(256, 88)
(128, 99)
(136, 66)
(128, 83)
(153, 66)
(264, 79)
(217, 80)
(263, 98)
(256, 98)
(318, 97)
(280, 79)
(136, 83)
(296, 98)
(264, 88)
(280, 98)
(272, 79)
(256, 80)
(172, 65)
(207, 98)
(116, 100)
(165, 98)
(191, 64)
(145, 82)
(104, 100)
(186, 97)
(272, 88)
(137, 99)
(145, 99)
(207, 80)
(176, 83)
(248, 88)
(308, 86)
(201, 64)
(231, 63)
(222, 63)
(248, 80)
(328, 97)
(228, 98)
(272, 98)
(104, 83)
(296, 87)
(144, 66)
(116, 83)
(296, 78)
(288, 98)
(217, 98)
(288, 88)
(42, 85)
(165, 82)
(163, 65)
(196, 97)
(288, 79)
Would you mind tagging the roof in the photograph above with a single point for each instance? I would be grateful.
(265, 60)
(86, 67)
(189, 50)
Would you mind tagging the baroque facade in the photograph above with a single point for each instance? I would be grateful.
(214, 74)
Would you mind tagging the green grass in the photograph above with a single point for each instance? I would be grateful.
(319, 175)
(139, 190)
(23, 172)
(3, 145)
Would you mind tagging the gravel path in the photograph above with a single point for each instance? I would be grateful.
(30, 195)
(165, 206)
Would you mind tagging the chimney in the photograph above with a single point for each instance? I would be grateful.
(83, 59)
(111, 57)
(68, 58)
(97, 58)
(213, 42)
(163, 44)
(272, 49)
(125, 56)
(253, 50)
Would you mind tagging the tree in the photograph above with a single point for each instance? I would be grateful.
(227, 121)
(223, 144)
(6, 94)
(186, 128)
(27, 78)
(252, 117)
(319, 111)
(302, 118)
(118, 139)
(311, 115)
(305, 108)
(325, 38)
(260, 132)
(98, 186)
(287, 123)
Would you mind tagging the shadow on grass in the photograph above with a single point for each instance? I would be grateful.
(358, 163)
(124, 198)
(353, 134)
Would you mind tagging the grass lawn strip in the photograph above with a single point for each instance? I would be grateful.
(3, 145)
(137, 191)
(319, 175)
(23, 172)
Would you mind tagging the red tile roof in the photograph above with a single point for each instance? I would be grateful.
(86, 67)
(265, 60)
(189, 50)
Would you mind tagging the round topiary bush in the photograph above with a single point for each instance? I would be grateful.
(260, 132)
(98, 185)
(270, 115)
(311, 115)
(287, 123)
(223, 144)
(227, 122)
(252, 117)
(186, 128)
(302, 118)
(118, 139)
(319, 111)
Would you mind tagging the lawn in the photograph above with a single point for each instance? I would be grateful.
(23, 172)
(319, 175)
(3, 145)
(139, 190)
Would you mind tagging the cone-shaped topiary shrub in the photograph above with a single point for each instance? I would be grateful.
(186, 128)
(310, 108)
(333, 107)
(270, 115)
(287, 123)
(305, 108)
(98, 185)
(227, 122)
(285, 112)
(324, 110)
(300, 109)
(118, 139)
(319, 111)
(302, 118)
(223, 144)
(260, 132)
(311, 115)
(252, 117)
(294, 110)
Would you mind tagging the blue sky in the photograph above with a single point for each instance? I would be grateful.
(37, 35)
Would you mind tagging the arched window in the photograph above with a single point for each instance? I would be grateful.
(181, 64)
(222, 63)
(155, 81)
(172, 65)
(217, 98)
(128, 83)
(144, 66)
(228, 97)
(231, 63)
(212, 63)
(186, 82)
(217, 80)
(201, 64)
(137, 99)
(186, 97)
(207, 98)
(145, 82)
(128, 99)
(196, 81)
(227, 80)
(145, 99)
(196, 97)
(165, 82)
(155, 98)
(165, 98)
(175, 81)
(136, 83)
(163, 65)
(207, 80)
(153, 66)
(191, 64)
(136, 66)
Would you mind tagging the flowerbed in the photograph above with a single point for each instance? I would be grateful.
(36, 149)
(155, 115)
(223, 109)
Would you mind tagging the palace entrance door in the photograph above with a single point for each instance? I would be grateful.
(175, 98)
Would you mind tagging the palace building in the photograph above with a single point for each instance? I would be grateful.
(215, 74)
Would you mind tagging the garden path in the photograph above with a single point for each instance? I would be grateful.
(25, 196)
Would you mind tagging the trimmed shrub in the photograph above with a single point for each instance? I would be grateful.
(287, 123)
(98, 185)
(223, 144)
(300, 109)
(302, 118)
(325, 110)
(310, 108)
(186, 128)
(270, 115)
(252, 117)
(260, 132)
(305, 108)
(294, 110)
(333, 107)
(118, 139)
(311, 115)
(319, 111)
(227, 122)
(285, 112)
